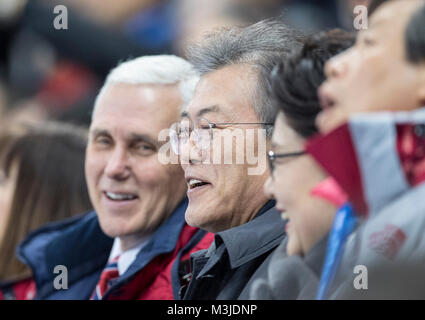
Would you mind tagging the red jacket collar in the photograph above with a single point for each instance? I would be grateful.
(374, 157)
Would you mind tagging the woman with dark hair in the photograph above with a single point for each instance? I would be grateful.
(294, 268)
(41, 180)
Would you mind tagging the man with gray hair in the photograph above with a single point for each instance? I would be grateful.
(132, 246)
(227, 198)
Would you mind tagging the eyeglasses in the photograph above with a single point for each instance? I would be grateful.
(273, 156)
(182, 131)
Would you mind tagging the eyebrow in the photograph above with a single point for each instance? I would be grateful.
(134, 137)
(142, 137)
(214, 108)
(274, 145)
(99, 132)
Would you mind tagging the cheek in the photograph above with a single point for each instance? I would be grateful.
(229, 177)
(360, 78)
(305, 222)
(403, 88)
(370, 72)
(154, 175)
(358, 75)
(294, 246)
(315, 225)
(148, 175)
(287, 185)
(282, 190)
(299, 184)
(378, 81)
(173, 175)
(94, 166)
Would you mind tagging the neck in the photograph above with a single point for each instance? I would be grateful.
(131, 241)
(251, 210)
(255, 200)
(256, 210)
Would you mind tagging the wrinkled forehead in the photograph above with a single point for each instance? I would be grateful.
(137, 106)
(226, 94)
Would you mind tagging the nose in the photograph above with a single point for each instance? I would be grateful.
(336, 67)
(189, 153)
(268, 188)
(118, 166)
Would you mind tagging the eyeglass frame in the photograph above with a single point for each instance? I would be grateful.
(214, 125)
(272, 156)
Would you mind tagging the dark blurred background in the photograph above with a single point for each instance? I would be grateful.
(55, 74)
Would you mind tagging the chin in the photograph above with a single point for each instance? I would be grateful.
(112, 232)
(112, 227)
(293, 249)
(191, 220)
(195, 218)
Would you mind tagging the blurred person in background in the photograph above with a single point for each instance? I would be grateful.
(374, 120)
(57, 73)
(366, 78)
(347, 14)
(295, 266)
(311, 16)
(136, 241)
(41, 181)
(58, 70)
(194, 18)
(109, 12)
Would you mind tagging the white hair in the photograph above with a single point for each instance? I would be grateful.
(159, 69)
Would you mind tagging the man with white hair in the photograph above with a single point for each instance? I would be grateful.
(136, 243)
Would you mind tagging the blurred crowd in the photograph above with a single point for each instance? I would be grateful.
(47, 74)
(83, 181)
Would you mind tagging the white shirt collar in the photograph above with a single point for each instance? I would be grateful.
(126, 258)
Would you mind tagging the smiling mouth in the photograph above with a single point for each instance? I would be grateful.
(120, 196)
(195, 183)
(283, 213)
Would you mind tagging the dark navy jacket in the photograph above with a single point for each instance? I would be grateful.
(222, 271)
(80, 245)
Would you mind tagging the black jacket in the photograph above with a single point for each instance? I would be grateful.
(283, 277)
(222, 271)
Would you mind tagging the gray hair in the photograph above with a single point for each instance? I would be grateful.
(261, 45)
(160, 69)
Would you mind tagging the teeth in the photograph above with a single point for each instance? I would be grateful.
(193, 183)
(120, 196)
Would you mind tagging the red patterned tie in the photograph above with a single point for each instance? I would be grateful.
(109, 273)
